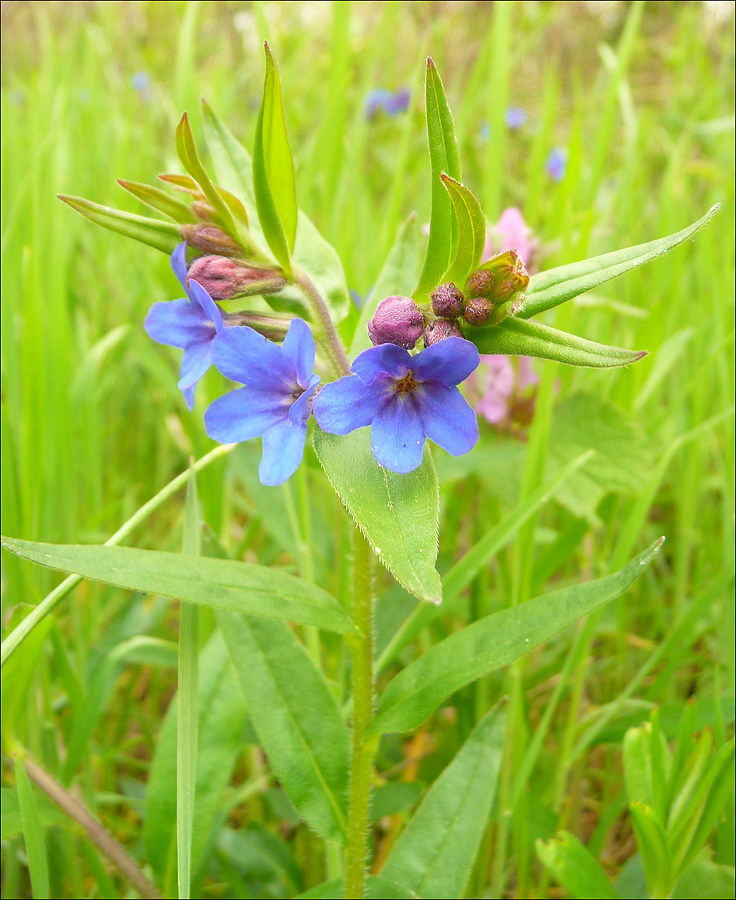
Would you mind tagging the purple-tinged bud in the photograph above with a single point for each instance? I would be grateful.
(224, 278)
(440, 330)
(480, 283)
(500, 278)
(447, 301)
(210, 239)
(204, 211)
(397, 320)
(477, 310)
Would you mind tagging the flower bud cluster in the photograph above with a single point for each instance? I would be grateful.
(496, 289)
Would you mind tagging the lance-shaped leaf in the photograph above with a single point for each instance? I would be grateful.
(575, 867)
(517, 337)
(398, 514)
(443, 157)
(273, 170)
(471, 231)
(162, 236)
(492, 642)
(434, 854)
(186, 150)
(555, 286)
(296, 717)
(219, 583)
(188, 185)
(159, 200)
(232, 162)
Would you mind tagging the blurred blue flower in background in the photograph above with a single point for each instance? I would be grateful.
(390, 102)
(556, 164)
(515, 117)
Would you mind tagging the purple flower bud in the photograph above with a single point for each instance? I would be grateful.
(224, 278)
(440, 330)
(477, 311)
(210, 239)
(480, 283)
(447, 301)
(398, 320)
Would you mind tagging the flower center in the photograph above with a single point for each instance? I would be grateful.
(406, 385)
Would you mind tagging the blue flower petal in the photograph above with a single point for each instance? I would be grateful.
(347, 404)
(179, 263)
(447, 418)
(194, 363)
(283, 449)
(298, 348)
(243, 355)
(243, 414)
(397, 436)
(178, 323)
(209, 307)
(448, 362)
(301, 407)
(189, 396)
(386, 359)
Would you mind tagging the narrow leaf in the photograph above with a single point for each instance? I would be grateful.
(471, 231)
(516, 337)
(434, 854)
(162, 236)
(492, 642)
(398, 514)
(159, 200)
(575, 867)
(443, 157)
(38, 866)
(223, 584)
(296, 717)
(655, 854)
(555, 286)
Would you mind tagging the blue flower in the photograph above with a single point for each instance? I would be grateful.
(405, 399)
(515, 117)
(190, 323)
(141, 82)
(277, 399)
(556, 164)
(391, 102)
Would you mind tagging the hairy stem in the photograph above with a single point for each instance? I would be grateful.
(364, 748)
(99, 836)
(333, 344)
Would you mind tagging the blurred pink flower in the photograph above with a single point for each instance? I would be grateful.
(500, 393)
(511, 233)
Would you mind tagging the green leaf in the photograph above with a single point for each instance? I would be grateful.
(232, 162)
(434, 854)
(655, 854)
(443, 157)
(223, 584)
(221, 714)
(296, 717)
(492, 642)
(187, 152)
(376, 888)
(159, 200)
(516, 337)
(38, 866)
(396, 278)
(319, 259)
(471, 231)
(555, 286)
(398, 514)
(705, 880)
(162, 236)
(575, 867)
(394, 797)
(273, 170)
(261, 855)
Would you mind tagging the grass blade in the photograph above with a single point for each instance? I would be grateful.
(33, 836)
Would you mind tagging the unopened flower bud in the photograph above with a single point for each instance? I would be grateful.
(447, 301)
(210, 239)
(500, 278)
(480, 283)
(397, 320)
(224, 278)
(204, 211)
(477, 310)
(440, 330)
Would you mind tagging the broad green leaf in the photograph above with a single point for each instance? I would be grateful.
(220, 725)
(223, 584)
(162, 236)
(471, 231)
(575, 867)
(394, 797)
(296, 717)
(705, 880)
(159, 200)
(187, 152)
(398, 514)
(232, 162)
(33, 836)
(555, 286)
(493, 642)
(273, 170)
(396, 278)
(443, 157)
(516, 337)
(319, 259)
(376, 888)
(434, 854)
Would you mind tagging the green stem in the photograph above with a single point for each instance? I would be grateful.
(52, 600)
(364, 749)
(332, 343)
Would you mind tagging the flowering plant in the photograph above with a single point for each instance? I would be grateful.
(300, 351)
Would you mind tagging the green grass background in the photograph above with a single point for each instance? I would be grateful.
(641, 95)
